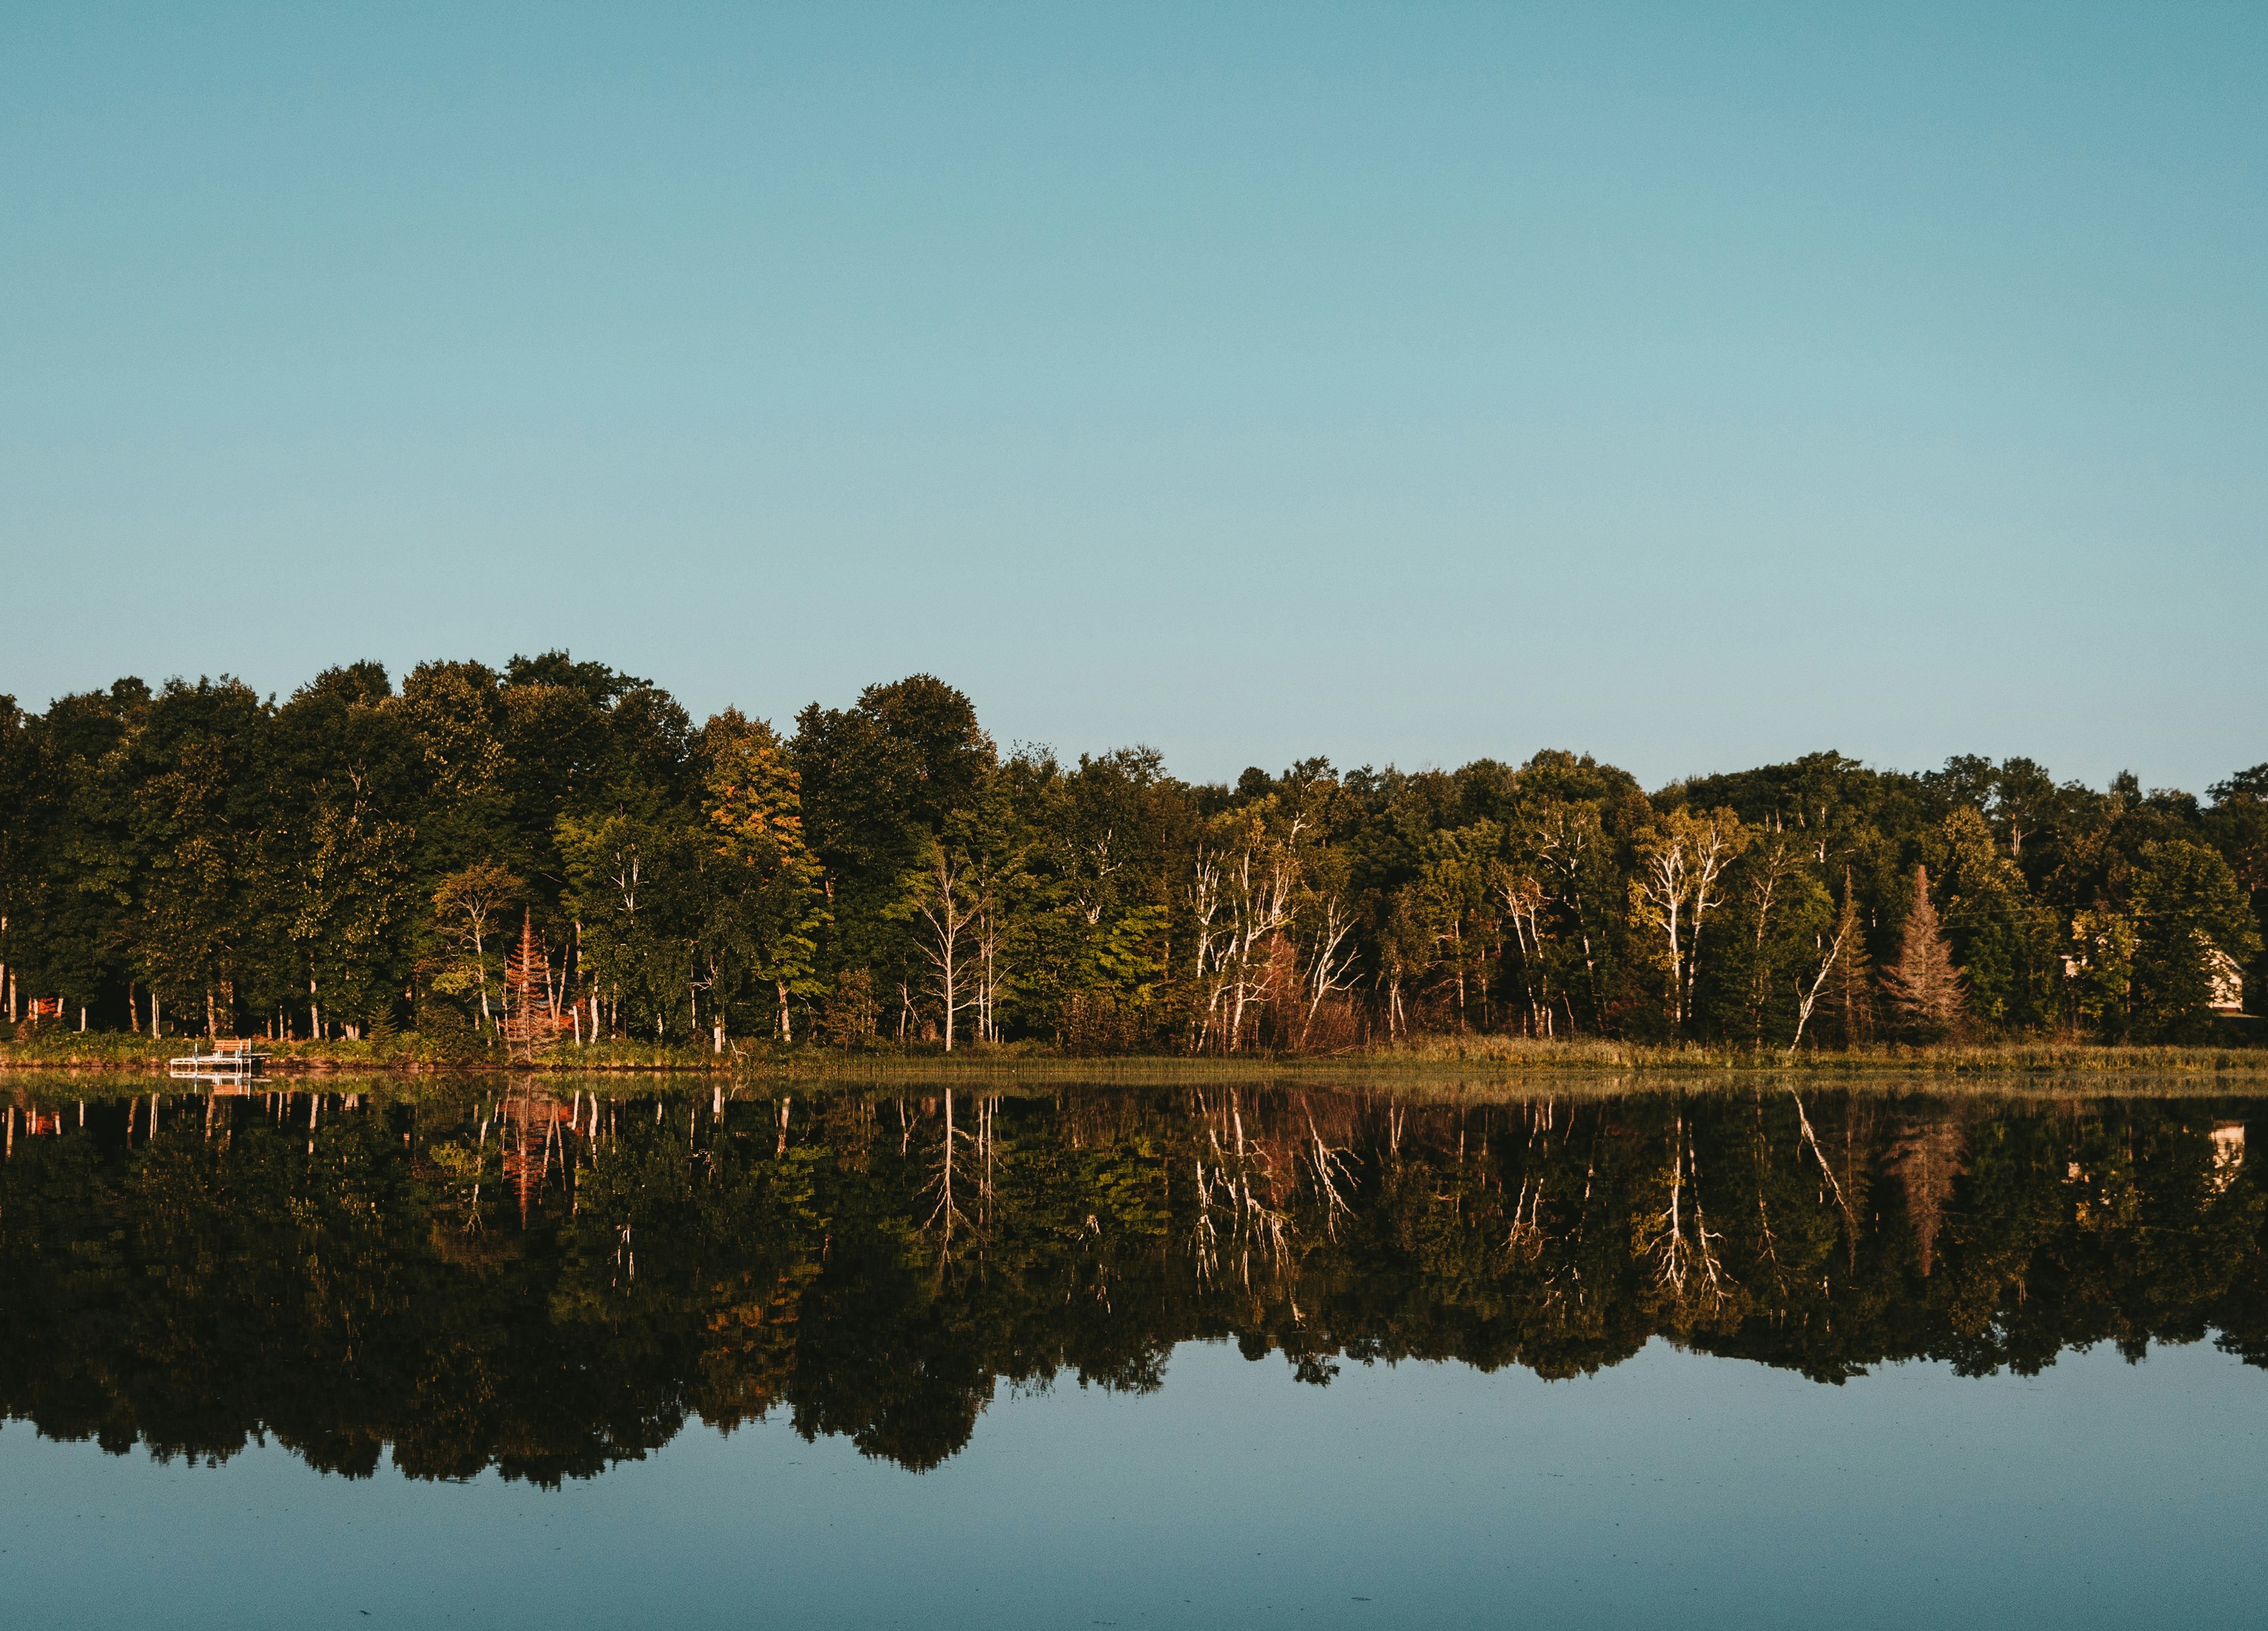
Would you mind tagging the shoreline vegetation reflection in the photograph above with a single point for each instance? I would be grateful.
(544, 1280)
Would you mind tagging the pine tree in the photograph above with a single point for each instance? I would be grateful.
(528, 1024)
(1851, 983)
(1924, 991)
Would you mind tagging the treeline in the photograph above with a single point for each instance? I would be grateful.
(358, 860)
(549, 1284)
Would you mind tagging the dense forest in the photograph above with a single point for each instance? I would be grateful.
(359, 860)
(550, 1282)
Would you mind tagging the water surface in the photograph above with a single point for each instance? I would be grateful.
(493, 1354)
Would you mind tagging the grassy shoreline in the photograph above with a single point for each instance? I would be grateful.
(1431, 1057)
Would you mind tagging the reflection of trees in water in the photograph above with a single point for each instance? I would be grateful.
(534, 1122)
(1925, 1154)
(547, 1282)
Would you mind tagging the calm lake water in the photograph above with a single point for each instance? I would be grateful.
(519, 1354)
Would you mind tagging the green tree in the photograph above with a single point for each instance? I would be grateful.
(18, 779)
(2004, 942)
(879, 781)
(353, 899)
(637, 886)
(774, 894)
(465, 906)
(199, 811)
(2238, 826)
(2188, 910)
(1769, 952)
(336, 888)
(2102, 964)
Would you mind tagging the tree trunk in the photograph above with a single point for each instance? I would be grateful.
(945, 987)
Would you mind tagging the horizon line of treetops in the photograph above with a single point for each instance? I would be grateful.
(356, 860)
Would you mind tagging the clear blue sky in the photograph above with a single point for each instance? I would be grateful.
(1694, 386)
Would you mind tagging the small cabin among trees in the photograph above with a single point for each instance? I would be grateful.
(2226, 976)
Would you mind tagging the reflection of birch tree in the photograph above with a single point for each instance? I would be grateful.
(1677, 1237)
(945, 1216)
(1238, 1183)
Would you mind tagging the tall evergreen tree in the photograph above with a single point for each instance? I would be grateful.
(1927, 995)
(1850, 982)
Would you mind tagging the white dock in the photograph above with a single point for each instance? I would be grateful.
(232, 1061)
